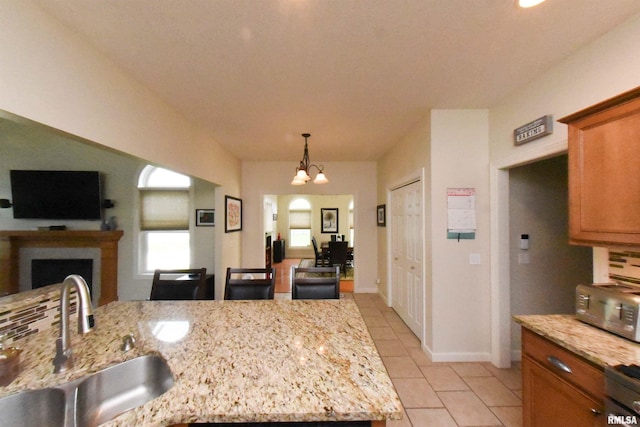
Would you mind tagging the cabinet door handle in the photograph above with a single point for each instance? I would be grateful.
(559, 364)
(595, 411)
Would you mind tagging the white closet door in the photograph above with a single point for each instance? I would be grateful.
(406, 243)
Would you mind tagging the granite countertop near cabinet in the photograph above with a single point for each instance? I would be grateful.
(233, 361)
(596, 345)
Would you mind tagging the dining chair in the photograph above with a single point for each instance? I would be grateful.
(338, 252)
(320, 260)
(349, 259)
(182, 284)
(250, 283)
(315, 282)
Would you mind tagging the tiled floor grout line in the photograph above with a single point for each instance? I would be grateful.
(442, 415)
(400, 350)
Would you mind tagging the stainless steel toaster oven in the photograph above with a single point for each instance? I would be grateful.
(610, 306)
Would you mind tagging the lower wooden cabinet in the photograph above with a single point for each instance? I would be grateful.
(559, 388)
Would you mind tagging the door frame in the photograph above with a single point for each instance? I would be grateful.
(416, 176)
(500, 246)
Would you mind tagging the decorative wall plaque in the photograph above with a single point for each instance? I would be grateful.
(533, 130)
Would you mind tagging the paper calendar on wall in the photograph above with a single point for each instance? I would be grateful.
(461, 213)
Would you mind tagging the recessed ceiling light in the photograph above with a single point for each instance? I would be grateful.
(529, 3)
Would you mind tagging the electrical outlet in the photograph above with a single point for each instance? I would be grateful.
(474, 258)
(523, 258)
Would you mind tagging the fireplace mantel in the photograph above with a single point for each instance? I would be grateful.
(12, 240)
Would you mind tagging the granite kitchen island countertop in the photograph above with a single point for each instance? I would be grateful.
(599, 347)
(233, 361)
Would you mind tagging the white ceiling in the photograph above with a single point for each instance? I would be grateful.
(355, 74)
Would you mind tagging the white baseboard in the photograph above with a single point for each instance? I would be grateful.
(457, 357)
(361, 290)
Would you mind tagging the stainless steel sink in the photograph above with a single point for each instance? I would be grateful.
(43, 408)
(91, 400)
(122, 387)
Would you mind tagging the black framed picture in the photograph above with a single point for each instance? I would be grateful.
(232, 214)
(382, 215)
(329, 220)
(205, 217)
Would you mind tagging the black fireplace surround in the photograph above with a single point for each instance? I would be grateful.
(46, 272)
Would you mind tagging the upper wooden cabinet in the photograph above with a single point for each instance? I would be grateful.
(604, 172)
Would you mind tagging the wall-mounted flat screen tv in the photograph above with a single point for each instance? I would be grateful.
(48, 194)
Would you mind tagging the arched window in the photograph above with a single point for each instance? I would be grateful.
(299, 223)
(164, 219)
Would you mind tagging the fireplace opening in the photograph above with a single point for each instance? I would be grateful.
(46, 272)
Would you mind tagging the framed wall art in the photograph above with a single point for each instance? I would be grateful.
(205, 217)
(329, 220)
(232, 214)
(382, 215)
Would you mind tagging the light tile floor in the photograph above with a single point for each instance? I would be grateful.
(440, 394)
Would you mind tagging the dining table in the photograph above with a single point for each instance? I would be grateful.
(324, 248)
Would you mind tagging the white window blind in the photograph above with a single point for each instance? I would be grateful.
(164, 209)
(299, 219)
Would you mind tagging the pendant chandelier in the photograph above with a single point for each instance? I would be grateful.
(302, 172)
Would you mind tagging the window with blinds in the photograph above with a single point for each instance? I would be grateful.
(164, 209)
(299, 219)
(299, 223)
(164, 200)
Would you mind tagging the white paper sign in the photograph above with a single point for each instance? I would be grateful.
(461, 210)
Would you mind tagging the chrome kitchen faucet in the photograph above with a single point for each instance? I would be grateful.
(64, 355)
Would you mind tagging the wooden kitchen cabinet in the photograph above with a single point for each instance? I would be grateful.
(604, 177)
(556, 397)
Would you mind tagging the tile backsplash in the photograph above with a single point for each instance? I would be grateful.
(624, 267)
(27, 313)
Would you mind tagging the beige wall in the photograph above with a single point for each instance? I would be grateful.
(452, 147)
(407, 160)
(603, 69)
(317, 203)
(608, 66)
(460, 297)
(51, 76)
(274, 178)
